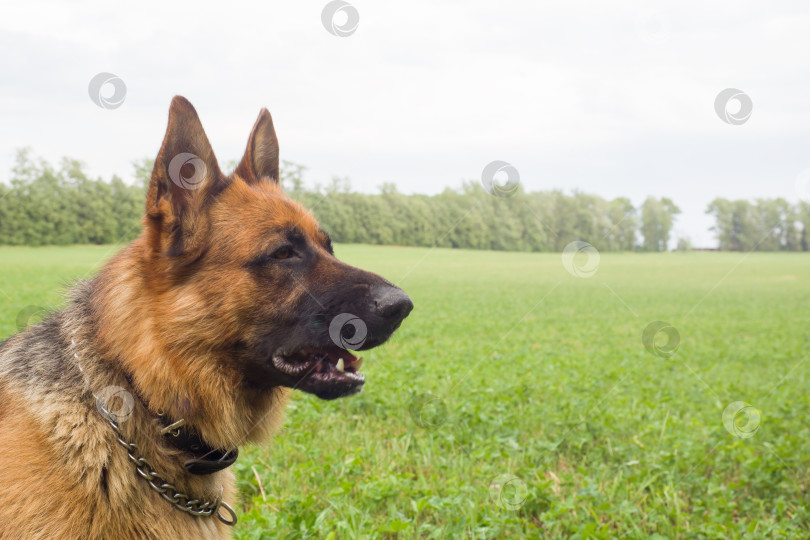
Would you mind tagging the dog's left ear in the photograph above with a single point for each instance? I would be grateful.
(260, 161)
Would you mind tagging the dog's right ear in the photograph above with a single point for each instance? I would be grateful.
(185, 178)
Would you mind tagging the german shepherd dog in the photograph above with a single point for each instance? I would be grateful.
(120, 414)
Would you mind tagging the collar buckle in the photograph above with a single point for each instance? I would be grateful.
(173, 428)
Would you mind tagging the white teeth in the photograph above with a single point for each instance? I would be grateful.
(339, 364)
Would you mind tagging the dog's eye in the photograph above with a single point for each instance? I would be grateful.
(284, 252)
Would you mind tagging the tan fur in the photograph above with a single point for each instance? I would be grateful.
(64, 475)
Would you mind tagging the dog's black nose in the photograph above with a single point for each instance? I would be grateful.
(391, 304)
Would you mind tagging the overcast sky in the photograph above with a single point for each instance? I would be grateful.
(613, 98)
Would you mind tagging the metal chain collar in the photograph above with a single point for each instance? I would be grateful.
(167, 490)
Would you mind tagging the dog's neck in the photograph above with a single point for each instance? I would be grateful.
(169, 366)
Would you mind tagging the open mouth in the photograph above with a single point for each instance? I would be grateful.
(328, 373)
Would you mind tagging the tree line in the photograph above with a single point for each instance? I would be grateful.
(761, 225)
(43, 204)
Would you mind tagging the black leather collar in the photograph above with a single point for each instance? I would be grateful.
(203, 458)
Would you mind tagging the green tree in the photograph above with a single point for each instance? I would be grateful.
(657, 219)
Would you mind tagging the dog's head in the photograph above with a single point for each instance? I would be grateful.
(249, 272)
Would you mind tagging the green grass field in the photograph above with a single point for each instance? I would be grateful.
(519, 401)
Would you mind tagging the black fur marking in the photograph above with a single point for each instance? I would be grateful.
(104, 482)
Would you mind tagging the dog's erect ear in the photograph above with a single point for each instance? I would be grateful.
(185, 178)
(260, 161)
